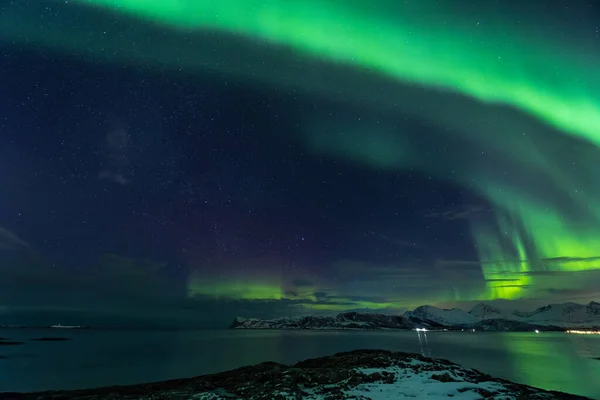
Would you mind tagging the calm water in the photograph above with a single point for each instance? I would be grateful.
(97, 358)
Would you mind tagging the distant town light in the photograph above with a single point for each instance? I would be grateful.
(583, 332)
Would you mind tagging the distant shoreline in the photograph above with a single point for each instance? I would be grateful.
(571, 317)
(43, 327)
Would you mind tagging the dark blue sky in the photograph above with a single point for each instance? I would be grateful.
(195, 157)
(140, 188)
(186, 171)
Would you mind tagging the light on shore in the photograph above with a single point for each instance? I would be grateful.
(578, 332)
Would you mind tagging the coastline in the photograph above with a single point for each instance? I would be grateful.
(372, 374)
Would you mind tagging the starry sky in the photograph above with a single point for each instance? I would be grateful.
(181, 162)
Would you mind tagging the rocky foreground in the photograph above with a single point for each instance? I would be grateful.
(360, 375)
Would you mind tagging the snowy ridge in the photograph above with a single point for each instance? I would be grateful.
(442, 316)
(486, 317)
(349, 320)
(481, 317)
(564, 315)
(485, 311)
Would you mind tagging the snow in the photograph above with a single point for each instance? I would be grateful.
(420, 385)
(482, 311)
(206, 396)
(358, 375)
(410, 384)
(566, 315)
(348, 320)
(453, 316)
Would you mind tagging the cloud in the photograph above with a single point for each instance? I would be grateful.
(10, 241)
(400, 242)
(570, 259)
(408, 283)
(582, 295)
(512, 286)
(302, 283)
(113, 177)
(557, 273)
(575, 293)
(321, 296)
(457, 263)
(457, 213)
(117, 160)
(548, 272)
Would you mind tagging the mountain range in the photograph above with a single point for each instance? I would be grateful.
(482, 317)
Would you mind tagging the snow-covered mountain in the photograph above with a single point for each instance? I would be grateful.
(454, 316)
(566, 315)
(482, 317)
(349, 320)
(485, 311)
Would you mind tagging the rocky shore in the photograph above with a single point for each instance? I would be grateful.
(361, 374)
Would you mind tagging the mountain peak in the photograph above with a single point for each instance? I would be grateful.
(485, 311)
(567, 314)
(348, 320)
(481, 317)
(442, 316)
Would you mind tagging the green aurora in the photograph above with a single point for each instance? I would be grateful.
(403, 41)
(251, 289)
(518, 107)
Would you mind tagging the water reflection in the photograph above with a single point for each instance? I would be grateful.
(555, 361)
(424, 343)
(551, 361)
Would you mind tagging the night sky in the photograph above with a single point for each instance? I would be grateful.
(183, 163)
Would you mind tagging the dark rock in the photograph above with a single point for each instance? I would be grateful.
(50, 339)
(348, 320)
(443, 377)
(388, 378)
(5, 343)
(486, 394)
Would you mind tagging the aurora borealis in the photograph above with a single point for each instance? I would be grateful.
(406, 43)
(323, 155)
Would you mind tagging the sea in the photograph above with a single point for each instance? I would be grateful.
(94, 358)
